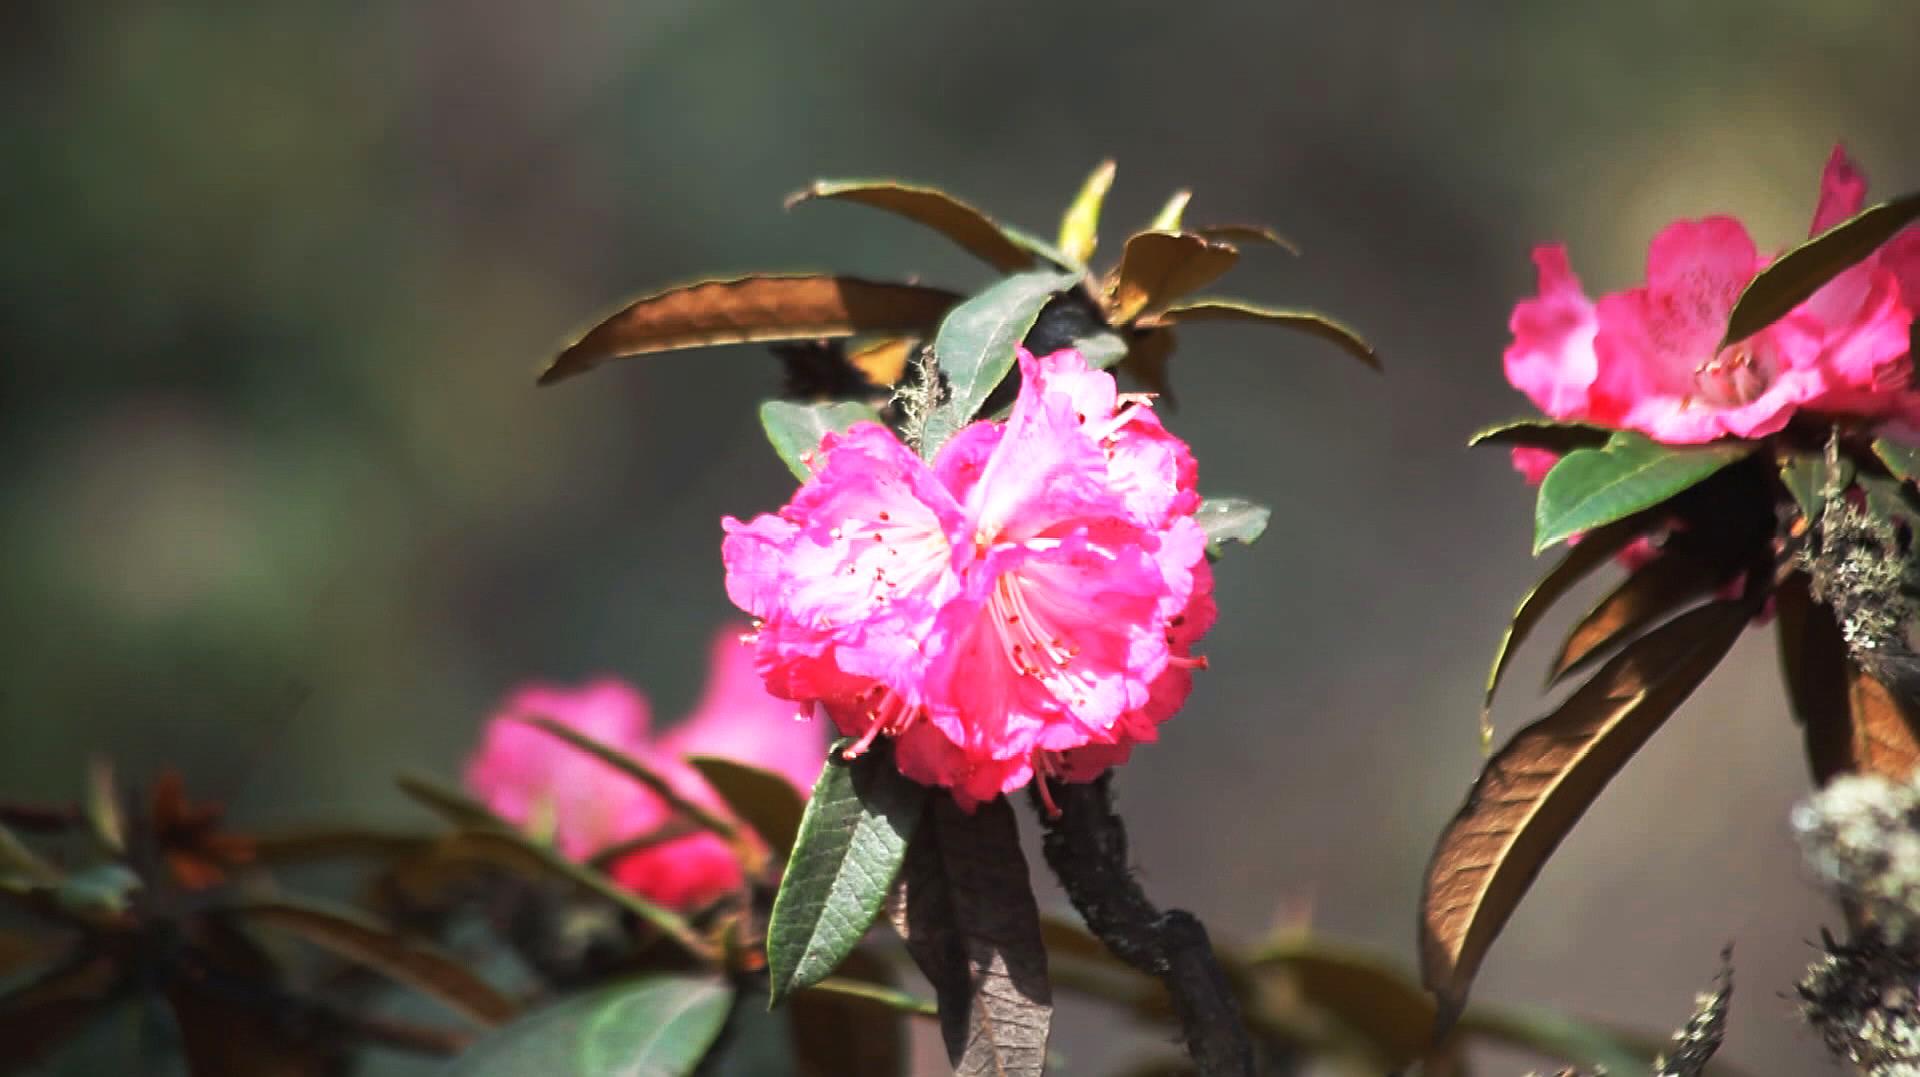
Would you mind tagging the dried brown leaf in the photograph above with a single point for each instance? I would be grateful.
(964, 906)
(1655, 591)
(971, 228)
(1533, 791)
(1159, 267)
(756, 308)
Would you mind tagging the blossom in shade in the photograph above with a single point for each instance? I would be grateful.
(533, 779)
(1027, 602)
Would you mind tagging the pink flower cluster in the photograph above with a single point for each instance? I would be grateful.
(1027, 603)
(532, 779)
(1649, 358)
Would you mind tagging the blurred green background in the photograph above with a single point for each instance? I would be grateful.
(282, 506)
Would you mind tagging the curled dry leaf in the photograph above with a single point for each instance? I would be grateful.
(1532, 792)
(1159, 267)
(970, 228)
(757, 308)
(965, 908)
(1235, 310)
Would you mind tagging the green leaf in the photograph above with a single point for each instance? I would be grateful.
(1902, 460)
(1557, 1036)
(965, 908)
(1557, 437)
(1080, 228)
(1231, 519)
(1171, 214)
(762, 799)
(1235, 310)
(1793, 277)
(977, 233)
(852, 839)
(762, 307)
(976, 344)
(1101, 348)
(796, 429)
(1804, 474)
(1591, 487)
(649, 1026)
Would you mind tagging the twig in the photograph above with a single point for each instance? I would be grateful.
(1086, 845)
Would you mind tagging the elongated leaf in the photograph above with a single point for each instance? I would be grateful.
(762, 799)
(975, 232)
(349, 935)
(1080, 228)
(639, 771)
(852, 839)
(1231, 519)
(1375, 1001)
(1813, 662)
(977, 343)
(1535, 789)
(1557, 1036)
(310, 844)
(1171, 214)
(764, 307)
(1591, 487)
(447, 802)
(1902, 460)
(852, 1027)
(650, 1026)
(795, 430)
(1792, 278)
(513, 851)
(1651, 594)
(1243, 234)
(1158, 268)
(965, 909)
(37, 1017)
(1557, 437)
(1580, 560)
(1235, 310)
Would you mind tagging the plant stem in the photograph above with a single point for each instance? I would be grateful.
(1086, 845)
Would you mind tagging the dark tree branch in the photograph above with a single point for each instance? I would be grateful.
(1086, 845)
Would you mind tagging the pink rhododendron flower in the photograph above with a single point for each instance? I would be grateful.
(535, 780)
(1025, 603)
(1648, 358)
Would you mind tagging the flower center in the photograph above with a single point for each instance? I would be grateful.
(1033, 646)
(1736, 376)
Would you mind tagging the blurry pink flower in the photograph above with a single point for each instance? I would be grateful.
(1648, 358)
(1026, 603)
(531, 779)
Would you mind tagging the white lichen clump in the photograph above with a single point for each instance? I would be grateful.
(1861, 835)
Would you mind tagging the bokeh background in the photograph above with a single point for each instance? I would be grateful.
(282, 506)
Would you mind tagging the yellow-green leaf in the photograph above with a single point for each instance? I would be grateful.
(1080, 227)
